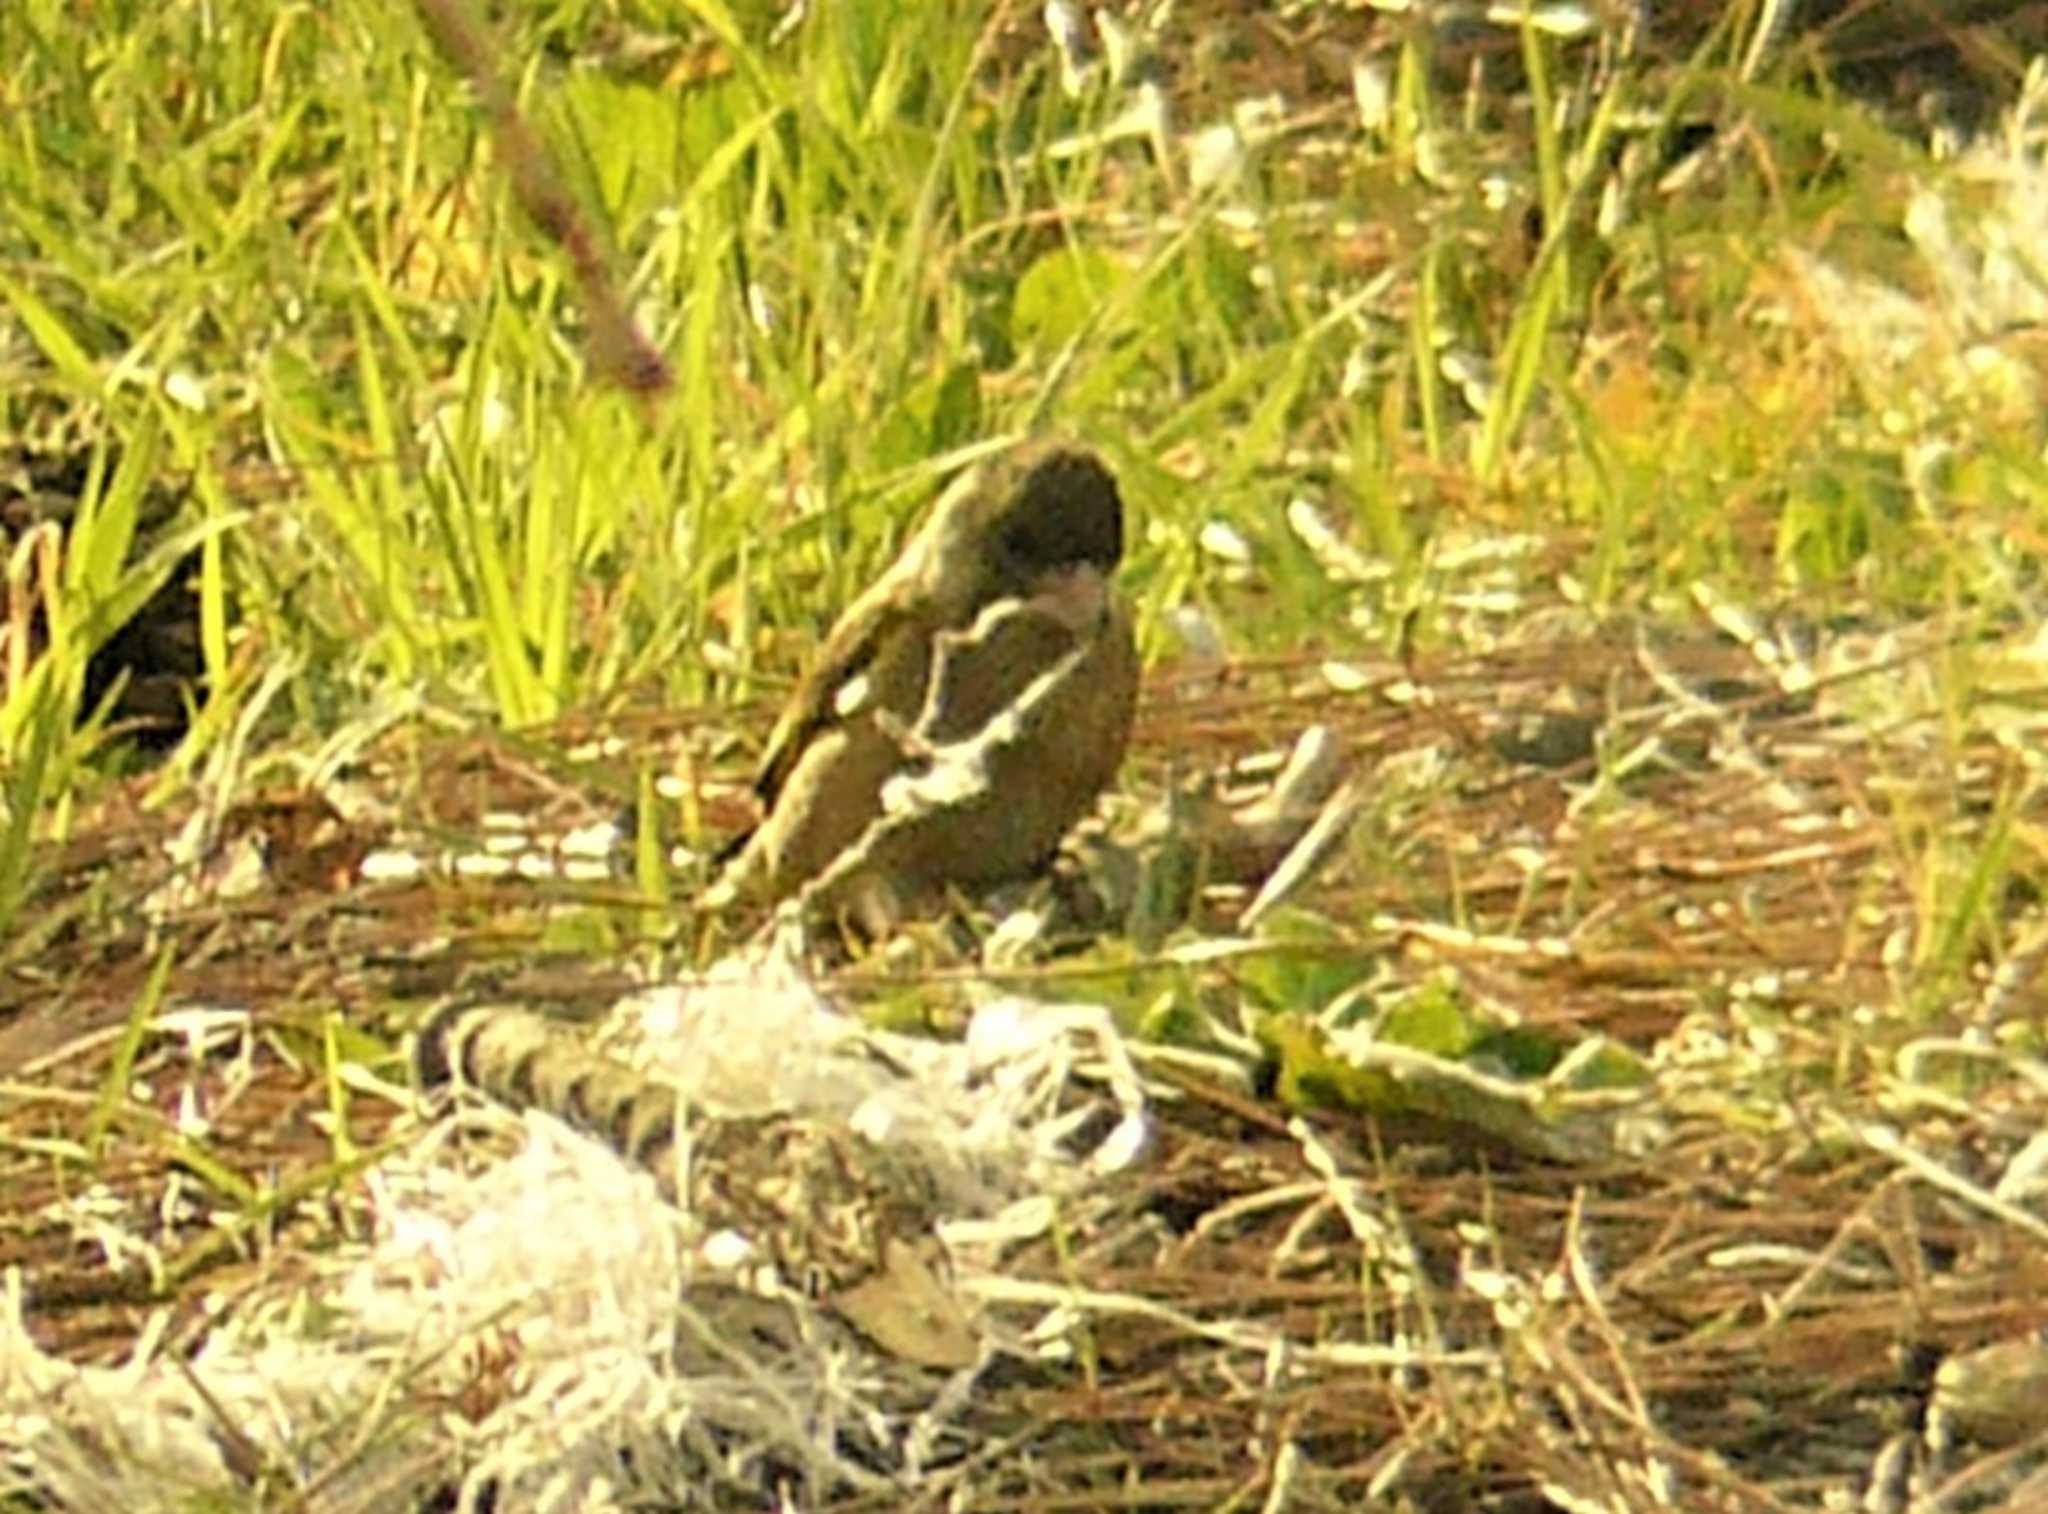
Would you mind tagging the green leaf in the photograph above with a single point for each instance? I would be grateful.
(47, 329)
(1059, 294)
(104, 528)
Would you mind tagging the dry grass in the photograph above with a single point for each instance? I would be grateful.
(1806, 1202)
(1642, 1109)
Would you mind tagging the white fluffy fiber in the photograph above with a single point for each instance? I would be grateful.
(515, 1326)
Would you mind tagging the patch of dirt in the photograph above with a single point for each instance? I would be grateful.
(1617, 832)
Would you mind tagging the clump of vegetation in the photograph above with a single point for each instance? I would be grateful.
(1625, 442)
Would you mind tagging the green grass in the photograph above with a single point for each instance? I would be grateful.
(271, 256)
(413, 481)
(275, 261)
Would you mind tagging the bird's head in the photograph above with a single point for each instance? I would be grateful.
(1060, 510)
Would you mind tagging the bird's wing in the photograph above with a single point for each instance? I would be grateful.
(981, 671)
(884, 636)
(877, 653)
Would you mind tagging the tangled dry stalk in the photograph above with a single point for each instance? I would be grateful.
(1733, 857)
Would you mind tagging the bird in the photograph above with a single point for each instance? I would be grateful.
(964, 712)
